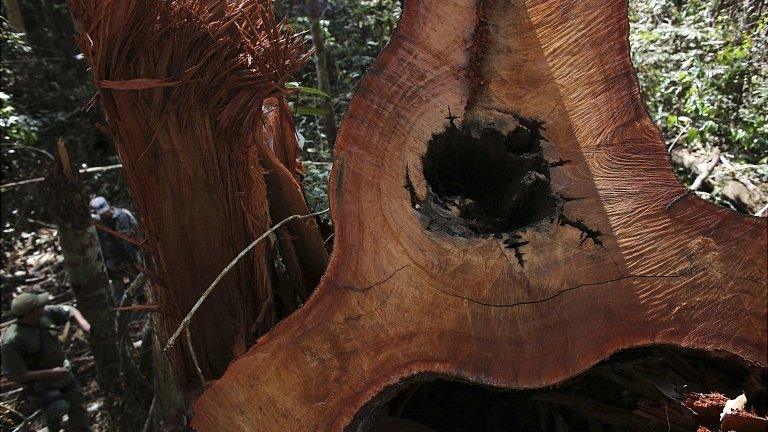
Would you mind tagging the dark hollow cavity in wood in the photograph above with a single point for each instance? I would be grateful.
(482, 182)
(641, 389)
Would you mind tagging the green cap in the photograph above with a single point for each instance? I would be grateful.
(25, 302)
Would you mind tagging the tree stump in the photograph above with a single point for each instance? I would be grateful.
(505, 213)
(186, 117)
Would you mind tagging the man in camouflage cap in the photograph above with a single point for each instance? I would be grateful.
(32, 355)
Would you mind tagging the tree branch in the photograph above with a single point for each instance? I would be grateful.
(707, 170)
(39, 179)
(187, 319)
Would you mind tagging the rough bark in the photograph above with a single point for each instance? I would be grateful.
(84, 265)
(169, 411)
(533, 233)
(321, 66)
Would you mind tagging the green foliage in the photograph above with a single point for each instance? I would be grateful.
(316, 176)
(17, 129)
(314, 95)
(14, 46)
(703, 70)
(306, 90)
(355, 32)
(45, 85)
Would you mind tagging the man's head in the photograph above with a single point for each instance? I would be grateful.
(100, 207)
(29, 306)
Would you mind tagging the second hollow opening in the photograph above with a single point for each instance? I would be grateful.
(488, 181)
(638, 390)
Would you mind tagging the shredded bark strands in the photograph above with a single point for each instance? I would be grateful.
(6, 186)
(182, 84)
(302, 249)
(187, 319)
(280, 135)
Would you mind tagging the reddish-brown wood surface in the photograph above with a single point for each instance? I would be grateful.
(659, 265)
(182, 83)
(301, 247)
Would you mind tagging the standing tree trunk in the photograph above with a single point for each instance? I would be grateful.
(321, 65)
(505, 214)
(88, 279)
(182, 84)
(15, 18)
(85, 267)
(168, 409)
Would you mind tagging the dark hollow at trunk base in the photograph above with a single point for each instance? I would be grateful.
(636, 390)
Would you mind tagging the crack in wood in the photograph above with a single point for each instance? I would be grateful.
(586, 232)
(480, 41)
(411, 190)
(559, 162)
(557, 294)
(351, 318)
(375, 284)
(515, 242)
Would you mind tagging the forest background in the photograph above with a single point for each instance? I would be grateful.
(702, 67)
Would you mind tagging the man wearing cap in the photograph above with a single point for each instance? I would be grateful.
(32, 355)
(119, 255)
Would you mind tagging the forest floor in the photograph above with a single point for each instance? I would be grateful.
(733, 182)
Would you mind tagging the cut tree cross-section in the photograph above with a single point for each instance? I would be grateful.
(505, 213)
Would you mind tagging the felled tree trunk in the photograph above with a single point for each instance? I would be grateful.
(505, 213)
(181, 83)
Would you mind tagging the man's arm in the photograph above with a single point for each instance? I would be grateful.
(81, 321)
(15, 369)
(61, 314)
(55, 373)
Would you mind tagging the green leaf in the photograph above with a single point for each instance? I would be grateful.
(306, 90)
(309, 110)
(671, 120)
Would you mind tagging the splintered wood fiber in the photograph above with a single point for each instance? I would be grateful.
(181, 83)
